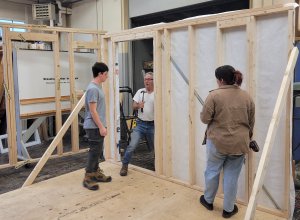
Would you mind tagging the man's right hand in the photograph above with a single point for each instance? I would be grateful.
(103, 132)
(141, 104)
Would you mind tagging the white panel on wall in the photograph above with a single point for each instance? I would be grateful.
(204, 82)
(272, 53)
(97, 14)
(235, 50)
(179, 101)
(112, 15)
(236, 55)
(85, 15)
(36, 76)
(14, 11)
(142, 7)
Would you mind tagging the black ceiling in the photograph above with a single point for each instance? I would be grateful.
(209, 7)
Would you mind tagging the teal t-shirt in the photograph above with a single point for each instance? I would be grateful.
(94, 93)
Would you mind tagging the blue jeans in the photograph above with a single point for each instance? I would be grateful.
(142, 129)
(232, 165)
(95, 141)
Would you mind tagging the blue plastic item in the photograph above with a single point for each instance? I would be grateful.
(296, 111)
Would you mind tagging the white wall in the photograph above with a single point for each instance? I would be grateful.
(15, 11)
(97, 14)
(143, 7)
(88, 14)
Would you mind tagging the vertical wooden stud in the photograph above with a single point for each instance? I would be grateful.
(220, 61)
(158, 103)
(192, 47)
(167, 72)
(58, 114)
(288, 122)
(73, 95)
(10, 98)
(116, 90)
(251, 36)
(104, 55)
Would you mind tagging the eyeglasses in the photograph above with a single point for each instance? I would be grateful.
(146, 79)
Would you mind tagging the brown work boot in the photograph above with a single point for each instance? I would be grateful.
(89, 182)
(99, 176)
(124, 170)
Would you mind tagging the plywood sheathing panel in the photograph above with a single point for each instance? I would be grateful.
(138, 196)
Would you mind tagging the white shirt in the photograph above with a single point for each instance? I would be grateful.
(148, 110)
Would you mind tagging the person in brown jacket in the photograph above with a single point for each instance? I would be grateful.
(229, 113)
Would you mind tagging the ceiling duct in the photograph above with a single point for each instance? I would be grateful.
(43, 12)
(62, 10)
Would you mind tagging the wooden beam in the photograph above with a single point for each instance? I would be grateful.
(134, 36)
(85, 45)
(43, 113)
(158, 103)
(97, 40)
(220, 61)
(10, 97)
(39, 28)
(251, 46)
(232, 22)
(288, 123)
(58, 115)
(25, 36)
(192, 121)
(167, 110)
(267, 148)
(115, 91)
(46, 100)
(220, 47)
(73, 96)
(30, 131)
(104, 55)
(54, 143)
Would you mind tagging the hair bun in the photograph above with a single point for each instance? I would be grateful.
(238, 77)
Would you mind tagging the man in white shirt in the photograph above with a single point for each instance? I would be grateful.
(143, 102)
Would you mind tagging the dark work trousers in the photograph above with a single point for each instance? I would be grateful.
(96, 149)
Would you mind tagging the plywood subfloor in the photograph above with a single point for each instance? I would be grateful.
(137, 196)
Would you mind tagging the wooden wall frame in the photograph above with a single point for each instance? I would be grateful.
(162, 68)
(45, 34)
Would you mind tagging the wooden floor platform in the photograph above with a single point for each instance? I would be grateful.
(137, 196)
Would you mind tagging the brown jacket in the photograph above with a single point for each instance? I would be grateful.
(230, 114)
